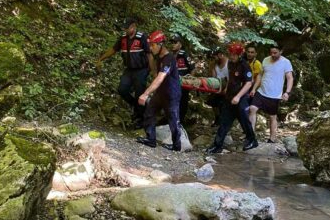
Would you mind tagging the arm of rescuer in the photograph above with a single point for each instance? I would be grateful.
(108, 53)
(111, 51)
(153, 86)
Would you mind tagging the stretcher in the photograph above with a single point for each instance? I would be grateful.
(202, 84)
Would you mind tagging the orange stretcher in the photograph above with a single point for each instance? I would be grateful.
(202, 86)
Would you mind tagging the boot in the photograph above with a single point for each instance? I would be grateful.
(146, 141)
(248, 145)
(214, 149)
(171, 147)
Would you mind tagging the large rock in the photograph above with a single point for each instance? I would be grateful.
(314, 148)
(192, 201)
(26, 170)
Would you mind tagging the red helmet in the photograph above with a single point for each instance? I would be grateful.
(236, 48)
(157, 37)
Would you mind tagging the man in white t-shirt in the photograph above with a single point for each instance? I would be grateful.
(218, 69)
(276, 69)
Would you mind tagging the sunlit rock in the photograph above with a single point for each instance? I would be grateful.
(192, 201)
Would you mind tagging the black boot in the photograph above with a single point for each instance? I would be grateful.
(171, 147)
(214, 149)
(146, 141)
(248, 145)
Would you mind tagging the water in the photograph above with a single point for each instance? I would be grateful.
(286, 182)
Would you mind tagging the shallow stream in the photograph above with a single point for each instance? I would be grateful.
(285, 181)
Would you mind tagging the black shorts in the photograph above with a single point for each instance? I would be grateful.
(268, 105)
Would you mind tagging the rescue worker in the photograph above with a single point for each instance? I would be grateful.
(236, 101)
(136, 56)
(185, 66)
(163, 93)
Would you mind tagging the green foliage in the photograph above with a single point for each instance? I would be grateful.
(12, 61)
(247, 35)
(315, 12)
(182, 24)
(274, 22)
(259, 7)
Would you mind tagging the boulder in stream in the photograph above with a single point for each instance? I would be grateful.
(192, 201)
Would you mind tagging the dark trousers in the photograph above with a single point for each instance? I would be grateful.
(171, 109)
(136, 80)
(229, 113)
(184, 104)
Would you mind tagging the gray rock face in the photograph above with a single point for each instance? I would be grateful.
(314, 148)
(290, 145)
(191, 202)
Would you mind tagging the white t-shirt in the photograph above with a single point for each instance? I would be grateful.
(272, 81)
(222, 72)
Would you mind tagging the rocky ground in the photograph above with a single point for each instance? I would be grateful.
(122, 151)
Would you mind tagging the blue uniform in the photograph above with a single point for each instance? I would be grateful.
(239, 74)
(166, 97)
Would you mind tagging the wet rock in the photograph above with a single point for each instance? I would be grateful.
(290, 144)
(269, 149)
(159, 176)
(314, 148)
(26, 170)
(205, 173)
(179, 201)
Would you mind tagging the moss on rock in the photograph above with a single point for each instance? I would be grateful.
(26, 170)
(79, 207)
(96, 135)
(67, 129)
(12, 61)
